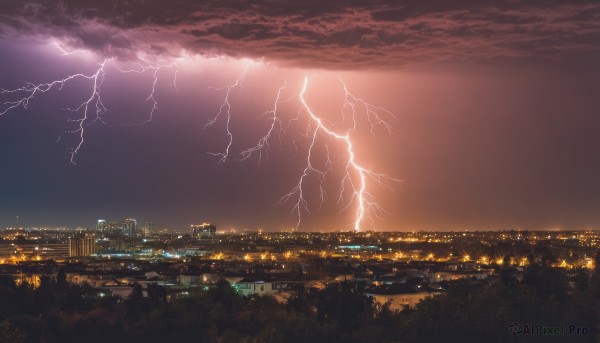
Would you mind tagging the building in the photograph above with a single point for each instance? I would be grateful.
(130, 228)
(79, 247)
(101, 225)
(34, 251)
(106, 226)
(204, 230)
(400, 301)
(147, 229)
(7, 250)
(400, 296)
(263, 288)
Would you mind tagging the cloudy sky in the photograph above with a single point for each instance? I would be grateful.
(492, 107)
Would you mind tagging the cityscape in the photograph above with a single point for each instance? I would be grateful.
(395, 271)
(278, 171)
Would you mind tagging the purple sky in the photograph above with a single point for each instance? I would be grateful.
(496, 112)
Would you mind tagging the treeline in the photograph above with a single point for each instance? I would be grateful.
(468, 312)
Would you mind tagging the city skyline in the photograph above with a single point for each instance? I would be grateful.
(492, 114)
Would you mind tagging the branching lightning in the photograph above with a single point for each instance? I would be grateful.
(355, 176)
(225, 109)
(319, 132)
(92, 108)
(155, 68)
(30, 90)
(372, 112)
(364, 200)
(263, 145)
(95, 100)
(65, 52)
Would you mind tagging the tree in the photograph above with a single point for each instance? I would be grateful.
(61, 279)
(224, 294)
(22, 328)
(344, 305)
(582, 279)
(549, 284)
(595, 279)
(137, 293)
(157, 294)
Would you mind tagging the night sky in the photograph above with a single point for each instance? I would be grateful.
(496, 112)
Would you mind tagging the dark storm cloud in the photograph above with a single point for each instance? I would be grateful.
(329, 34)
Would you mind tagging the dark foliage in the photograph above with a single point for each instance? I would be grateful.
(468, 312)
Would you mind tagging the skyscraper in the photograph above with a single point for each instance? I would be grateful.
(101, 225)
(147, 229)
(130, 227)
(107, 226)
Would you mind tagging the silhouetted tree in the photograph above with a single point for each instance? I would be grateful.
(547, 281)
(157, 294)
(343, 304)
(61, 279)
(582, 279)
(21, 328)
(137, 293)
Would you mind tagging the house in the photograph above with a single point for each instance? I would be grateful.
(400, 296)
(259, 287)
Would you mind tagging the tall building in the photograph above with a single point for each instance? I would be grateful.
(204, 230)
(106, 226)
(130, 227)
(79, 247)
(147, 229)
(101, 225)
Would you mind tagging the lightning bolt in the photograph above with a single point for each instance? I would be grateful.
(92, 108)
(64, 52)
(373, 112)
(30, 90)
(360, 195)
(263, 143)
(355, 176)
(355, 179)
(155, 68)
(225, 109)
(94, 100)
